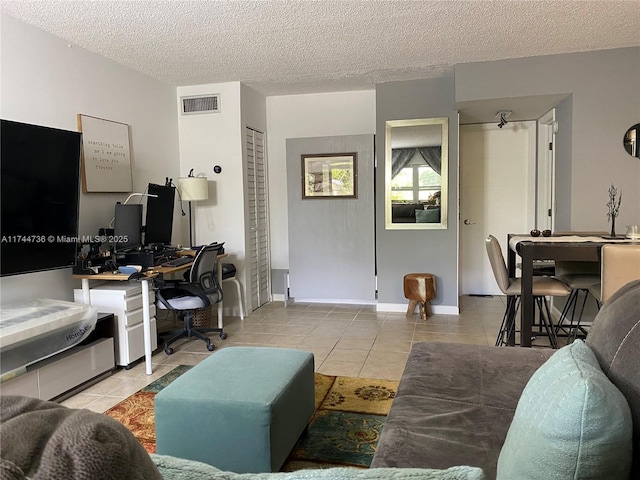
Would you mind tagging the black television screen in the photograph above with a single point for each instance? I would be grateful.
(40, 197)
(159, 219)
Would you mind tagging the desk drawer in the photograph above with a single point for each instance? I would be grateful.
(135, 317)
(109, 302)
(135, 341)
(134, 303)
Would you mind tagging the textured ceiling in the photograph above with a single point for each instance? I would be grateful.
(286, 47)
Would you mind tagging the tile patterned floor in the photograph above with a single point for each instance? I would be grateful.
(349, 340)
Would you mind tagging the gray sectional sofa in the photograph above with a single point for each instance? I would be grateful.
(455, 403)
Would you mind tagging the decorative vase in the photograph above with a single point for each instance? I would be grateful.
(613, 226)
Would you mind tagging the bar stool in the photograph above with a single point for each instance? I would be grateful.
(579, 277)
(229, 274)
(512, 288)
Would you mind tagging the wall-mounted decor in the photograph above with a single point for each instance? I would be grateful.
(631, 141)
(330, 175)
(106, 155)
(416, 166)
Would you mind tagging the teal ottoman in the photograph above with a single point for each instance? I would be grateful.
(241, 410)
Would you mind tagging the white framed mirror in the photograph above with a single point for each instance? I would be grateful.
(416, 174)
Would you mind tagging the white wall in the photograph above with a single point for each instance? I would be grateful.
(213, 139)
(299, 116)
(46, 81)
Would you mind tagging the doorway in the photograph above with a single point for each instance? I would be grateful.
(497, 195)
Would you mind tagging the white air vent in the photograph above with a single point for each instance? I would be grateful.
(201, 104)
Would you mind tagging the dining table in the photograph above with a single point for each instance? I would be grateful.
(530, 249)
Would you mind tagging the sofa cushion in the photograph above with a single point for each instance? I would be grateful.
(435, 433)
(571, 422)
(454, 405)
(476, 374)
(173, 468)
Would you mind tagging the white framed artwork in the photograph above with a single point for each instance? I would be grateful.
(106, 155)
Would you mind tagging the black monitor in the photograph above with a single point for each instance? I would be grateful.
(127, 226)
(159, 220)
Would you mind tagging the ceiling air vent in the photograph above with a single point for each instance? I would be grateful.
(201, 104)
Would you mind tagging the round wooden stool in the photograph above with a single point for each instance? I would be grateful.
(419, 288)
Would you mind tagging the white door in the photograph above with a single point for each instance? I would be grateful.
(258, 228)
(497, 195)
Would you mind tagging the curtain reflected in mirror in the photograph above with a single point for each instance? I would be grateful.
(416, 174)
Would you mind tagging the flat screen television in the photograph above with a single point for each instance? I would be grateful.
(159, 219)
(40, 196)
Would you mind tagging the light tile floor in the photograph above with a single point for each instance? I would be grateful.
(348, 340)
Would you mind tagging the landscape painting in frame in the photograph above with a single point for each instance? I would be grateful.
(329, 175)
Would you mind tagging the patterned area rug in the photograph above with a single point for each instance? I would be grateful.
(344, 430)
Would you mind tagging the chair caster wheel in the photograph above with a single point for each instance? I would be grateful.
(168, 351)
(223, 336)
(210, 347)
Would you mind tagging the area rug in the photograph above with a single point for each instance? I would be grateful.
(344, 430)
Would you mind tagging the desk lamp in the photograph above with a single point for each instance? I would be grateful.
(192, 189)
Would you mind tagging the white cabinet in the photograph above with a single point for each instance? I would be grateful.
(61, 373)
(124, 300)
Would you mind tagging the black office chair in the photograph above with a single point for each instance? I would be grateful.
(199, 292)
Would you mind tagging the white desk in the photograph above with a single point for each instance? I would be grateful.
(146, 316)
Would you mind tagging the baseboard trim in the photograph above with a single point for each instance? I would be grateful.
(380, 307)
(335, 301)
(402, 307)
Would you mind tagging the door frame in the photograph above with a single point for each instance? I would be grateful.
(546, 167)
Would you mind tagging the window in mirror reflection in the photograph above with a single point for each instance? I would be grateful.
(416, 164)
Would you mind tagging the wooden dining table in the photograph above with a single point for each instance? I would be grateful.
(570, 248)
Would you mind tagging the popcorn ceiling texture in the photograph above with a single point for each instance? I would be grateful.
(300, 46)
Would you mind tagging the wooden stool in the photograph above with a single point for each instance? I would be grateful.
(419, 288)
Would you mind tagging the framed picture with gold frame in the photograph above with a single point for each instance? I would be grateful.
(330, 175)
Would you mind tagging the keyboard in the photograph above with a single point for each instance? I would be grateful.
(176, 262)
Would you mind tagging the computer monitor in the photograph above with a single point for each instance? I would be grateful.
(127, 226)
(159, 220)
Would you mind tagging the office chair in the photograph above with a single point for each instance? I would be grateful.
(185, 297)
(512, 288)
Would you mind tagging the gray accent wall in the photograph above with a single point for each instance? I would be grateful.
(331, 241)
(564, 111)
(605, 101)
(417, 251)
